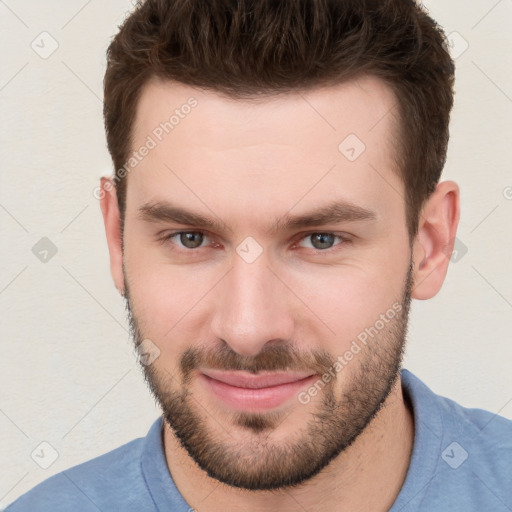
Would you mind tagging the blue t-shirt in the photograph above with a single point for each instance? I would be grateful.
(461, 461)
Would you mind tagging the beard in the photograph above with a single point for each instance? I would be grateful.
(264, 458)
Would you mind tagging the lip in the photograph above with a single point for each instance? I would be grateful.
(244, 391)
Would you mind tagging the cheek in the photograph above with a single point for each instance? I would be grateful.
(161, 312)
(341, 302)
(167, 300)
(162, 297)
(347, 305)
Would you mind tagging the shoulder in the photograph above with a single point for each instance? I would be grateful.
(485, 433)
(485, 436)
(478, 427)
(98, 484)
(472, 466)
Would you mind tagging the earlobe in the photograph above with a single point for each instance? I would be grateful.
(435, 239)
(112, 222)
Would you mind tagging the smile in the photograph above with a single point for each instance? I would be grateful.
(243, 391)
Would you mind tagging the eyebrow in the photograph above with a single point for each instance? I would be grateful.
(334, 212)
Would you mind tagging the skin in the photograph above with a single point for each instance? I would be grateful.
(247, 164)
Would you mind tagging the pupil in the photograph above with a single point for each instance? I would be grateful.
(187, 239)
(324, 239)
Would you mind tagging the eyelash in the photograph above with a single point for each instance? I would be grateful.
(166, 239)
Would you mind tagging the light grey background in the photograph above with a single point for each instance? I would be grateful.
(68, 374)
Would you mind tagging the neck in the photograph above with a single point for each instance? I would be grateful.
(368, 475)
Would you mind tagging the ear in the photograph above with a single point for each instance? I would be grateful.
(434, 242)
(112, 221)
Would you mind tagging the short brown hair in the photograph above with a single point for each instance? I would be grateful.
(250, 48)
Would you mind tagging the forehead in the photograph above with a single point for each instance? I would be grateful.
(265, 154)
(358, 105)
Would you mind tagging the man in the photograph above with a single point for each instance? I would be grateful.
(276, 206)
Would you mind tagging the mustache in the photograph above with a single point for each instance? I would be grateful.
(282, 356)
(272, 357)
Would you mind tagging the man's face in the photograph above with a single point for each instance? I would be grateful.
(323, 303)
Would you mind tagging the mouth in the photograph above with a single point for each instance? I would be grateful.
(243, 391)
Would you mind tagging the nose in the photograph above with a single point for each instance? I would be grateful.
(253, 307)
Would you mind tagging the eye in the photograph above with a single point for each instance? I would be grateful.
(188, 239)
(323, 241)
